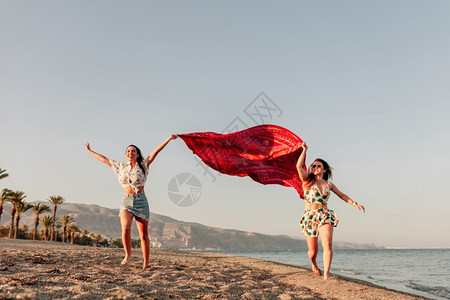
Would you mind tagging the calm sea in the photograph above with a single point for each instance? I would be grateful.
(423, 272)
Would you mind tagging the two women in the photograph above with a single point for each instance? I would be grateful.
(132, 176)
(317, 218)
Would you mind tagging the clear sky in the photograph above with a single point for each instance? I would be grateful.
(364, 83)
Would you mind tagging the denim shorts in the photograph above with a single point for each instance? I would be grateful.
(136, 204)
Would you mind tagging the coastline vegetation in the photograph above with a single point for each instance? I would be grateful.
(53, 229)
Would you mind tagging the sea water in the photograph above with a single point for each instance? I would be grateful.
(423, 272)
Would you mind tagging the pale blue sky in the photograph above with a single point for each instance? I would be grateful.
(364, 83)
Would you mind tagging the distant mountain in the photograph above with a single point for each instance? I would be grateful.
(171, 233)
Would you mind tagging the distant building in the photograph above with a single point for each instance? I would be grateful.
(154, 243)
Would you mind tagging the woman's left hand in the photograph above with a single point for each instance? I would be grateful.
(360, 207)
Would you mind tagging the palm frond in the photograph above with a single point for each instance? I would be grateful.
(3, 174)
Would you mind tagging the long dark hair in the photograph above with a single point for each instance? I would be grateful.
(140, 159)
(311, 179)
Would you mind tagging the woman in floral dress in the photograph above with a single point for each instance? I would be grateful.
(317, 218)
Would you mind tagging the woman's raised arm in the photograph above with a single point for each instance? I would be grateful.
(152, 156)
(301, 160)
(98, 156)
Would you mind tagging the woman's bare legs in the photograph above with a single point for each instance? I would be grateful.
(126, 219)
(312, 253)
(326, 235)
(142, 226)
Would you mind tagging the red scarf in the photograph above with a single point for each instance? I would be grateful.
(267, 153)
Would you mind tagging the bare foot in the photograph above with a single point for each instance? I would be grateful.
(125, 260)
(316, 270)
(145, 265)
(325, 276)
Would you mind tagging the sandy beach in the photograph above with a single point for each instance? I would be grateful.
(46, 270)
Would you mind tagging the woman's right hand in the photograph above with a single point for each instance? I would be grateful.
(300, 162)
(98, 156)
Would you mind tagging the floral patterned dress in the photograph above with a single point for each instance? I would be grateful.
(313, 219)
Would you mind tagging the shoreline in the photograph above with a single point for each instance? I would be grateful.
(48, 270)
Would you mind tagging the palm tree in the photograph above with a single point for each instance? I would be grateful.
(66, 220)
(14, 198)
(4, 192)
(21, 207)
(47, 222)
(38, 208)
(3, 197)
(85, 238)
(57, 226)
(72, 230)
(3, 174)
(55, 200)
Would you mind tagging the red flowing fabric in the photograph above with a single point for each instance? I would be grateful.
(267, 153)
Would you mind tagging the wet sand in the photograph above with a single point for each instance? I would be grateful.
(47, 270)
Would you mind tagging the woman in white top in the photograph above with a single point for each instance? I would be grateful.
(132, 176)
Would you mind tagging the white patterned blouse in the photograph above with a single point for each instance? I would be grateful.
(130, 177)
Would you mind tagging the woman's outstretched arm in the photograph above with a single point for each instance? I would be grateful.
(301, 160)
(152, 156)
(98, 156)
(345, 197)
